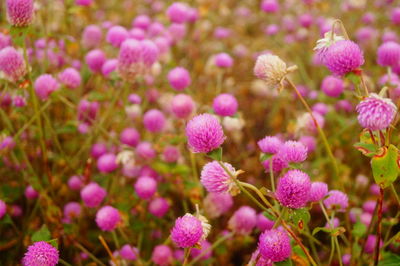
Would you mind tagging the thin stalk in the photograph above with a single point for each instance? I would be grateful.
(379, 230)
(280, 218)
(114, 235)
(395, 194)
(63, 262)
(271, 174)
(187, 254)
(93, 257)
(332, 251)
(104, 243)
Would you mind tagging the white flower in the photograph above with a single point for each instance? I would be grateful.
(232, 123)
(328, 40)
(125, 157)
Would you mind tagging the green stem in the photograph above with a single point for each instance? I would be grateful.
(115, 238)
(93, 257)
(63, 262)
(271, 174)
(187, 254)
(280, 217)
(395, 194)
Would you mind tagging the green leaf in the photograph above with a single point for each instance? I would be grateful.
(367, 149)
(215, 154)
(298, 251)
(43, 234)
(53, 242)
(300, 217)
(6, 220)
(284, 263)
(264, 157)
(389, 259)
(18, 35)
(354, 78)
(69, 128)
(385, 166)
(359, 229)
(269, 216)
(317, 229)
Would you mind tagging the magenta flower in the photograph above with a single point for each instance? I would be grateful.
(293, 151)
(44, 85)
(171, 154)
(70, 77)
(145, 187)
(182, 105)
(332, 86)
(95, 60)
(162, 255)
(337, 200)
(159, 207)
(154, 120)
(215, 179)
(278, 164)
(3, 208)
(389, 54)
(128, 252)
(223, 60)
(318, 191)
(93, 194)
(41, 253)
(179, 78)
(117, 35)
(371, 244)
(91, 36)
(343, 57)
(20, 12)
(187, 231)
(270, 144)
(293, 189)
(130, 136)
(216, 204)
(12, 64)
(72, 210)
(243, 220)
(107, 163)
(107, 218)
(204, 133)
(376, 112)
(225, 104)
(274, 245)
(263, 223)
(178, 12)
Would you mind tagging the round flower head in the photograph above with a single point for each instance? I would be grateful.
(320, 108)
(72, 210)
(346, 259)
(70, 77)
(117, 35)
(223, 60)
(187, 231)
(12, 64)
(20, 12)
(5, 40)
(107, 218)
(271, 69)
(216, 204)
(91, 36)
(44, 85)
(337, 200)
(162, 255)
(274, 245)
(343, 57)
(75, 183)
(149, 52)
(215, 179)
(109, 67)
(369, 206)
(145, 187)
(332, 86)
(293, 151)
(307, 123)
(107, 163)
(270, 6)
(204, 133)
(376, 112)
(129, 59)
(179, 78)
(95, 60)
(318, 191)
(278, 164)
(263, 223)
(225, 105)
(178, 12)
(128, 252)
(182, 105)
(371, 244)
(41, 253)
(154, 120)
(3, 208)
(171, 154)
(159, 207)
(83, 2)
(293, 189)
(389, 54)
(93, 194)
(205, 247)
(98, 149)
(270, 144)
(145, 150)
(142, 22)
(395, 16)
(130, 136)
(243, 220)
(31, 193)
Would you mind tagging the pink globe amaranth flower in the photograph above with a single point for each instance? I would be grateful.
(109, 67)
(346, 259)
(20, 12)
(225, 104)
(128, 252)
(205, 246)
(376, 112)
(44, 85)
(145, 187)
(129, 59)
(171, 154)
(366, 34)
(178, 12)
(133, 98)
(278, 164)
(12, 64)
(187, 231)
(332, 86)
(182, 106)
(83, 2)
(107, 218)
(270, 6)
(8, 143)
(204, 133)
(306, 20)
(318, 191)
(159, 207)
(130, 136)
(31, 193)
(366, 218)
(389, 54)
(141, 21)
(91, 36)
(93, 194)
(162, 255)
(223, 60)
(19, 101)
(3, 208)
(337, 200)
(215, 179)
(271, 29)
(107, 163)
(222, 33)
(320, 108)
(390, 36)
(95, 60)
(371, 244)
(343, 57)
(395, 16)
(75, 183)
(344, 106)
(16, 210)
(263, 223)
(243, 220)
(149, 52)
(98, 149)
(117, 35)
(5, 41)
(145, 150)
(374, 189)
(72, 210)
(270, 144)
(70, 77)
(216, 204)
(154, 120)
(333, 223)
(274, 245)
(293, 151)
(369, 206)
(176, 32)
(179, 78)
(293, 189)
(41, 253)
(87, 111)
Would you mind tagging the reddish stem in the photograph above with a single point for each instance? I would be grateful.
(379, 230)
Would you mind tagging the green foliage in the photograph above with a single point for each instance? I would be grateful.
(284, 263)
(300, 217)
(43, 234)
(359, 229)
(389, 259)
(385, 167)
(18, 35)
(215, 154)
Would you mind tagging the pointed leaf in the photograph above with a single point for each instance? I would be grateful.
(43, 234)
(215, 154)
(385, 166)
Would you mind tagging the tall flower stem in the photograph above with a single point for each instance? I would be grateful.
(379, 230)
(271, 174)
(320, 131)
(187, 254)
(334, 241)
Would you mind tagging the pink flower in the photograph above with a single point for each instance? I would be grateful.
(187, 231)
(343, 57)
(41, 253)
(20, 12)
(107, 218)
(293, 189)
(274, 245)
